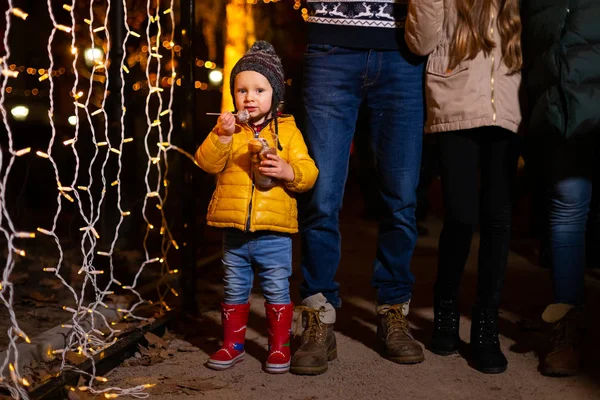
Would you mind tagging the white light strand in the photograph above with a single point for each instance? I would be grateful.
(15, 383)
(90, 341)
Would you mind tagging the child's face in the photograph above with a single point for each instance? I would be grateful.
(254, 93)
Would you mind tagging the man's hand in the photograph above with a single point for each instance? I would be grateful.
(226, 124)
(275, 167)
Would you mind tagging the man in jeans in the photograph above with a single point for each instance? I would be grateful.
(357, 55)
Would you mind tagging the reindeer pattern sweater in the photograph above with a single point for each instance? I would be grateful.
(364, 24)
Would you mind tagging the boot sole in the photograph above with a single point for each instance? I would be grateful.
(491, 371)
(277, 368)
(559, 372)
(407, 360)
(443, 352)
(318, 370)
(223, 365)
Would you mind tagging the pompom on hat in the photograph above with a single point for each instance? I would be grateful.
(262, 58)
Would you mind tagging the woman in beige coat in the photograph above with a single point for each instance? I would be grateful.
(472, 84)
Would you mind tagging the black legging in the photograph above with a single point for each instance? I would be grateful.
(494, 152)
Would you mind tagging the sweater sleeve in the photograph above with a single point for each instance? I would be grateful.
(305, 170)
(424, 24)
(212, 154)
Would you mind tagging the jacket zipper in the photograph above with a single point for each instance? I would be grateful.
(252, 190)
(492, 80)
(250, 209)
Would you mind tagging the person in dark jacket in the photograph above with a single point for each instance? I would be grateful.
(562, 67)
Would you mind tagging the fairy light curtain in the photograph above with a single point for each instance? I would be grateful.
(93, 180)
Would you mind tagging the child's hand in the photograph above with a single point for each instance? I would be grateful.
(226, 124)
(275, 167)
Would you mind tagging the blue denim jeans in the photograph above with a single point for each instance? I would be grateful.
(389, 83)
(270, 252)
(570, 168)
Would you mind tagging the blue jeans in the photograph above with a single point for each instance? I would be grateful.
(570, 167)
(271, 252)
(389, 83)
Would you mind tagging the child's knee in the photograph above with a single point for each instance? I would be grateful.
(237, 294)
(276, 291)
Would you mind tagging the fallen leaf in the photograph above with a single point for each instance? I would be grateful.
(74, 358)
(168, 336)
(154, 340)
(144, 351)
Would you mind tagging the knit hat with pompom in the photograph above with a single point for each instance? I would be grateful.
(262, 58)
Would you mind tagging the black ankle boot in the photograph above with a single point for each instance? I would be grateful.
(485, 346)
(445, 337)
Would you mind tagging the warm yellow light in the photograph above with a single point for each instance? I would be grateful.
(20, 113)
(9, 73)
(17, 12)
(24, 235)
(22, 152)
(215, 77)
(63, 28)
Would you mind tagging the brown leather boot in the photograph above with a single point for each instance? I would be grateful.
(563, 356)
(318, 344)
(393, 333)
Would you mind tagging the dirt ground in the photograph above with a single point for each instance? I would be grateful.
(360, 372)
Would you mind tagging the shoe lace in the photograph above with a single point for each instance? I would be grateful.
(445, 316)
(395, 320)
(563, 333)
(487, 328)
(312, 325)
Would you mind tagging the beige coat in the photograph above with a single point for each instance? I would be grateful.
(477, 92)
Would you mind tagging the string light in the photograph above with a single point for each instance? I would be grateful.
(90, 342)
(159, 115)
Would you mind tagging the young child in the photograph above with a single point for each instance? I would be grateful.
(472, 95)
(259, 164)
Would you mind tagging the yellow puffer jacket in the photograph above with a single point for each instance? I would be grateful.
(236, 202)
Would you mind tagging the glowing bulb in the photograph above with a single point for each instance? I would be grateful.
(92, 56)
(215, 77)
(20, 113)
(72, 120)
